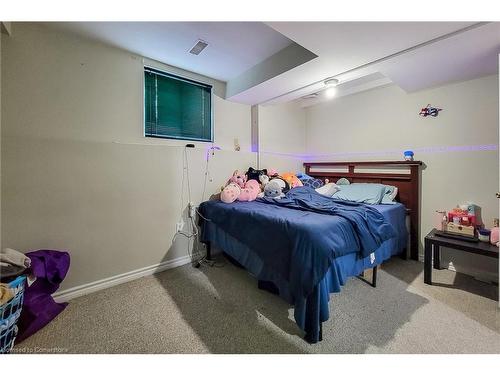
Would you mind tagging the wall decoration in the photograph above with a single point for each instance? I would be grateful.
(429, 111)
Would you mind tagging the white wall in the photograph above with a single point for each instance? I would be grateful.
(282, 135)
(379, 124)
(77, 172)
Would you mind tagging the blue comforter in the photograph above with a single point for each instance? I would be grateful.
(299, 236)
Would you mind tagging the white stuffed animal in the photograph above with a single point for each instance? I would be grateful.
(274, 189)
(264, 180)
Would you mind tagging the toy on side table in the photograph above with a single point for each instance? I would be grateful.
(483, 234)
(465, 221)
(459, 222)
(494, 235)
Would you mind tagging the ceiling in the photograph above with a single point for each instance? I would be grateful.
(458, 57)
(274, 62)
(234, 47)
(413, 56)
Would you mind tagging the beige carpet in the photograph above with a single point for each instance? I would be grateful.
(220, 310)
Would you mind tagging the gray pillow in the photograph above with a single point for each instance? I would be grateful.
(363, 193)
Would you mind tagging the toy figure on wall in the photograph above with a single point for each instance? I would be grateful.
(429, 111)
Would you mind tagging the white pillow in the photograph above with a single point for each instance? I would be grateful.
(328, 189)
(390, 194)
(394, 193)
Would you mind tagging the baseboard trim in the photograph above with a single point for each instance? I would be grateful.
(81, 290)
(484, 276)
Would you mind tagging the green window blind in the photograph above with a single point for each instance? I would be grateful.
(176, 107)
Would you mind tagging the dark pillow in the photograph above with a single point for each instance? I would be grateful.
(313, 182)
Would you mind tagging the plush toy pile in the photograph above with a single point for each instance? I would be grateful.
(258, 183)
(240, 188)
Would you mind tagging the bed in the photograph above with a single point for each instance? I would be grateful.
(307, 245)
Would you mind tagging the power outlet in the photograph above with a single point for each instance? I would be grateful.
(179, 226)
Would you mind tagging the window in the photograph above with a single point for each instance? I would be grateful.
(176, 107)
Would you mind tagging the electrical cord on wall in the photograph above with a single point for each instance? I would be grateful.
(205, 180)
(196, 255)
(194, 230)
(211, 151)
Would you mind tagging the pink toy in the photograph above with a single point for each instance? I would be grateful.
(230, 193)
(238, 178)
(238, 188)
(272, 172)
(495, 233)
(250, 191)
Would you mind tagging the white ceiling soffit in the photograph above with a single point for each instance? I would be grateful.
(233, 47)
(282, 61)
(342, 48)
(458, 58)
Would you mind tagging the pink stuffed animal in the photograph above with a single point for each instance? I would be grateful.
(230, 193)
(250, 191)
(238, 188)
(272, 172)
(238, 178)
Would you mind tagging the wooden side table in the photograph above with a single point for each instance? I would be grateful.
(432, 251)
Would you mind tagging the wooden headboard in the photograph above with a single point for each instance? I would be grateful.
(405, 175)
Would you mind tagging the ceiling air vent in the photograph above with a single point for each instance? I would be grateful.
(314, 95)
(198, 47)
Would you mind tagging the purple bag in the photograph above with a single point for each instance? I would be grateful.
(39, 308)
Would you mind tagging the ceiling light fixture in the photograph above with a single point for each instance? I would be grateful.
(330, 92)
(329, 82)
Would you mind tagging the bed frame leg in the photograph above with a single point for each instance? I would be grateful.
(373, 283)
(374, 277)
